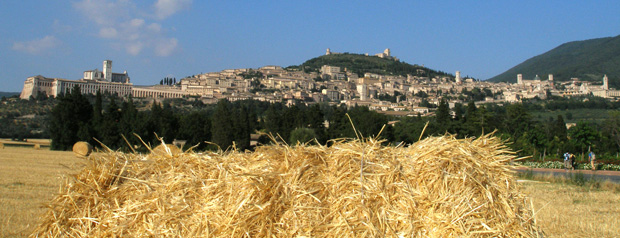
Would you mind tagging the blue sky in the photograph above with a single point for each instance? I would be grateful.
(177, 38)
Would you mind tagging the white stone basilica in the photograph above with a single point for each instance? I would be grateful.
(93, 81)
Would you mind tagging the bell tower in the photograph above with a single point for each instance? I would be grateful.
(107, 70)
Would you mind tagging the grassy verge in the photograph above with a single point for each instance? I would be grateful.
(560, 165)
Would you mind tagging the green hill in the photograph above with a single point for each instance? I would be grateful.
(360, 64)
(8, 94)
(587, 60)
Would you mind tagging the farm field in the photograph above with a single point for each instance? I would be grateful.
(29, 178)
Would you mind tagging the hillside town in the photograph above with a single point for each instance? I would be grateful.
(390, 94)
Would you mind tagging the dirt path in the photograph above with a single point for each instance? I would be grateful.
(613, 176)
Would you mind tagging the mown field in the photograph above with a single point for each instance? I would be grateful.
(29, 178)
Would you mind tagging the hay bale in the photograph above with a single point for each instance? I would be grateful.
(1, 145)
(82, 149)
(437, 187)
(166, 149)
(37, 146)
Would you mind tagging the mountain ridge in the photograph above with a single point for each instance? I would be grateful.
(588, 60)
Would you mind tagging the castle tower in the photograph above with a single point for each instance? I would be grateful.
(605, 83)
(519, 79)
(551, 81)
(458, 77)
(386, 52)
(328, 52)
(362, 89)
(107, 70)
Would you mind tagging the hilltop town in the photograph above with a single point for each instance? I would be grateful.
(390, 94)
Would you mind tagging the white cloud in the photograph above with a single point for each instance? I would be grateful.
(134, 48)
(125, 25)
(166, 47)
(136, 23)
(37, 46)
(104, 12)
(58, 27)
(108, 32)
(166, 8)
(154, 27)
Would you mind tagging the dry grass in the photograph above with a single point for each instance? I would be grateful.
(438, 187)
(568, 210)
(28, 179)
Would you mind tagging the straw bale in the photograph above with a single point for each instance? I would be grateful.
(1, 145)
(437, 187)
(37, 146)
(82, 149)
(166, 149)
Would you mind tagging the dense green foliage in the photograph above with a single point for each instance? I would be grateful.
(587, 60)
(231, 123)
(360, 64)
(21, 119)
(70, 119)
(8, 94)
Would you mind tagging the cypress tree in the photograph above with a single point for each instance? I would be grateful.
(110, 130)
(221, 126)
(560, 128)
(69, 120)
(442, 116)
(241, 129)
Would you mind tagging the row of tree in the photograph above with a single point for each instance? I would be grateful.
(231, 123)
(168, 81)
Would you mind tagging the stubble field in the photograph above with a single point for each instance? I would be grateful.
(29, 178)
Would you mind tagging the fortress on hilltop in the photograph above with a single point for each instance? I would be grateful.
(385, 55)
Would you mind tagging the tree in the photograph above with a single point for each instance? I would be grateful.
(110, 130)
(518, 120)
(169, 124)
(128, 122)
(302, 135)
(195, 127)
(316, 121)
(612, 126)
(97, 120)
(442, 115)
(273, 120)
(458, 111)
(559, 128)
(222, 127)
(584, 135)
(68, 117)
(241, 128)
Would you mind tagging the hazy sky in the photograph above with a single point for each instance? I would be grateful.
(177, 38)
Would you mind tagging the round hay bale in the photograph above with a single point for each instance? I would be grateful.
(82, 149)
(37, 146)
(167, 149)
(1, 145)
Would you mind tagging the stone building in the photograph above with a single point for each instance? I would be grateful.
(93, 81)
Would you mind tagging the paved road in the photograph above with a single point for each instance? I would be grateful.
(613, 176)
